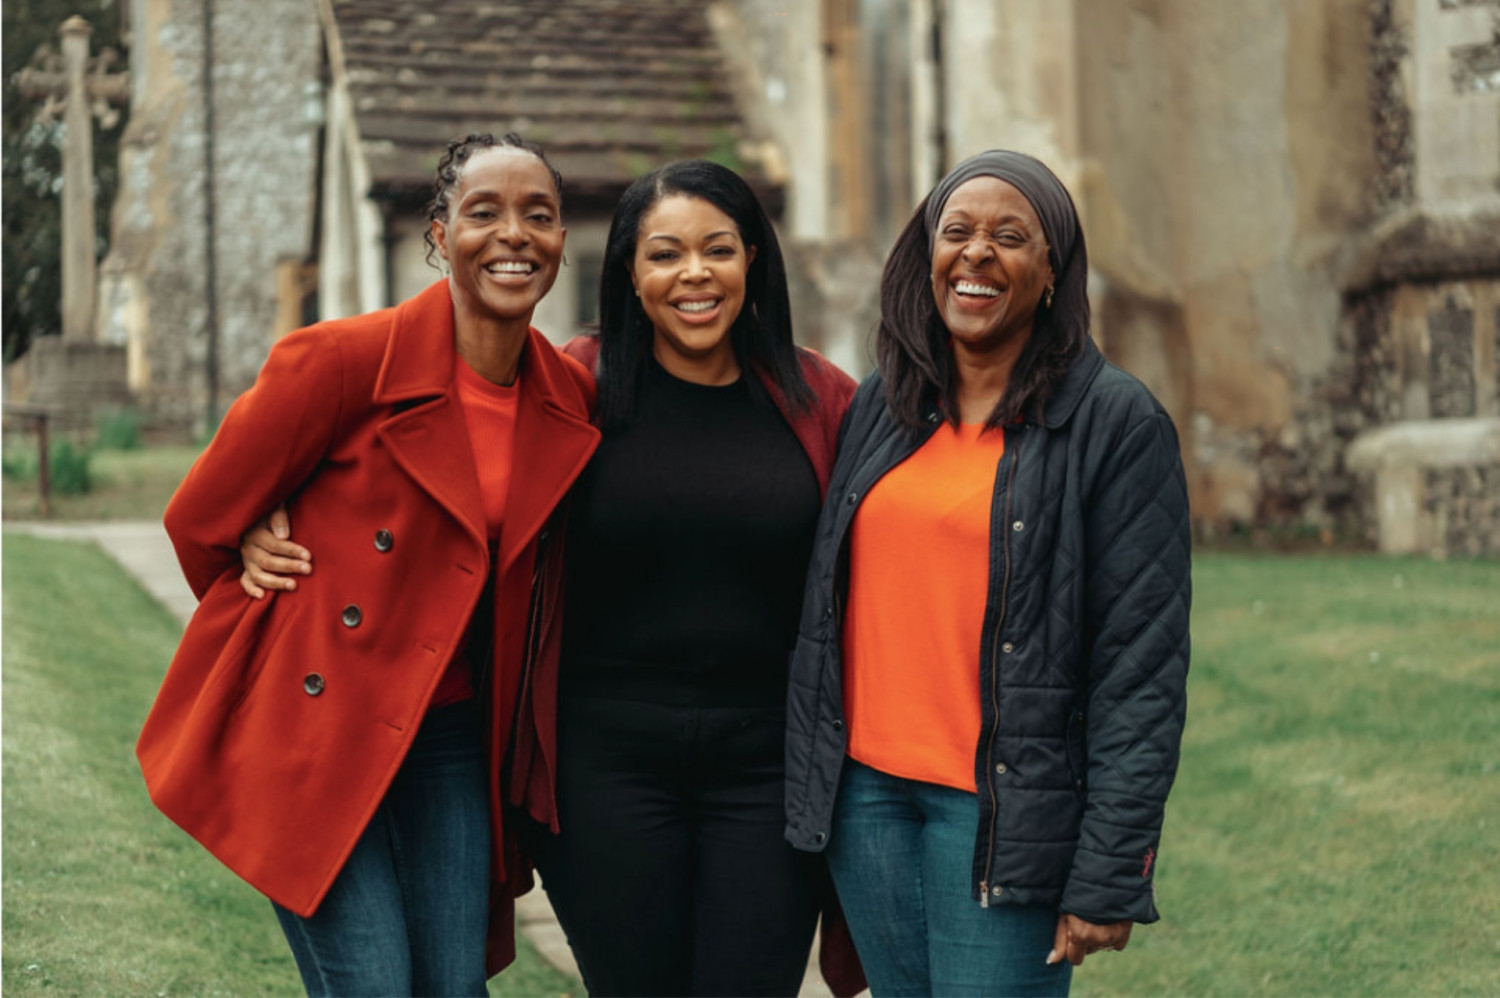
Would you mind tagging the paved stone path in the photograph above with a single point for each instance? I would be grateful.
(144, 551)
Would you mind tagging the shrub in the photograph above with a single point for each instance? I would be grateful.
(18, 466)
(69, 468)
(118, 429)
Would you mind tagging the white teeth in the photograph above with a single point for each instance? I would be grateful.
(511, 267)
(970, 288)
(696, 306)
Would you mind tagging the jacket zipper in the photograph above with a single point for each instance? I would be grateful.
(989, 759)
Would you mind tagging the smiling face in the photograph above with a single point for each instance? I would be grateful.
(503, 237)
(989, 265)
(689, 269)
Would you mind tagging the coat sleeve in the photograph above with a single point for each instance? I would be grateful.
(270, 442)
(1138, 594)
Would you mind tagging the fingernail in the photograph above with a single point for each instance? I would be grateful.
(291, 584)
(1052, 956)
(280, 532)
(304, 568)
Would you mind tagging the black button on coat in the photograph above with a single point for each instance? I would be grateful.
(1085, 705)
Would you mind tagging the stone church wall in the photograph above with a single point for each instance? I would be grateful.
(153, 285)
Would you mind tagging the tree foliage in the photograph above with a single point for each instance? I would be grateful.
(32, 167)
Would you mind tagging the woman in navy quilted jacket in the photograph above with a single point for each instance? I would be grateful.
(988, 688)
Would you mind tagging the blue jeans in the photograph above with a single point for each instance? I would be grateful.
(901, 852)
(408, 914)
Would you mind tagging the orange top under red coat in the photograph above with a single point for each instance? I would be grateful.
(490, 412)
(918, 576)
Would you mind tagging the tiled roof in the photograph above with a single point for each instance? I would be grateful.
(610, 88)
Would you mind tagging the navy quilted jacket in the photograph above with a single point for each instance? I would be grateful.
(1084, 658)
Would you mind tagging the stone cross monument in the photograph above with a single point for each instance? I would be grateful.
(78, 262)
(77, 374)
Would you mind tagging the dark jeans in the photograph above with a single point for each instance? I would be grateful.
(901, 854)
(671, 876)
(408, 913)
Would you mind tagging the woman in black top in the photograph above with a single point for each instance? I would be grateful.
(688, 540)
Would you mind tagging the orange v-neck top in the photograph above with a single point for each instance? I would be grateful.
(918, 577)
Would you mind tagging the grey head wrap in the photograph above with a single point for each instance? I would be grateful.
(1036, 183)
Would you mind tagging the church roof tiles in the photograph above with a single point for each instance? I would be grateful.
(610, 88)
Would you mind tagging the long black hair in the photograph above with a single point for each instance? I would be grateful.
(450, 169)
(912, 346)
(761, 334)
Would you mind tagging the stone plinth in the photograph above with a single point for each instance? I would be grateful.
(1436, 485)
(76, 379)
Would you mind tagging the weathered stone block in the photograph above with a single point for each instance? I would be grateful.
(1436, 485)
(76, 378)
(1450, 332)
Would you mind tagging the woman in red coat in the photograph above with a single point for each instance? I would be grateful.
(341, 749)
(688, 539)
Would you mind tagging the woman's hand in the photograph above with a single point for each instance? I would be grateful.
(271, 559)
(1076, 939)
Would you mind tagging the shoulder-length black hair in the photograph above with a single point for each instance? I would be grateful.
(912, 345)
(761, 335)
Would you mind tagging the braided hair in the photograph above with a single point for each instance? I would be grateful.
(450, 170)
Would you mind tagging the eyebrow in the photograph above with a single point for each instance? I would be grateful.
(676, 239)
(959, 212)
(487, 194)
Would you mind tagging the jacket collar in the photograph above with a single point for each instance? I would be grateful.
(419, 357)
(419, 351)
(1060, 407)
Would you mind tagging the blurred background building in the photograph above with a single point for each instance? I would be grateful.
(1292, 206)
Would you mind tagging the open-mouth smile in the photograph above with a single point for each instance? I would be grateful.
(511, 268)
(974, 289)
(697, 309)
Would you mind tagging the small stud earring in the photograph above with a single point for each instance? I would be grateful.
(1049, 296)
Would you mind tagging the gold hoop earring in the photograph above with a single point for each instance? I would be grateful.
(1049, 296)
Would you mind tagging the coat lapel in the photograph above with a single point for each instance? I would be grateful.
(430, 440)
(428, 436)
(431, 444)
(553, 441)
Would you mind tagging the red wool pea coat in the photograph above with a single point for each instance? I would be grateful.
(281, 722)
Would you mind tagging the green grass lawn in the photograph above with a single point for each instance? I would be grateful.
(1333, 830)
(1334, 826)
(102, 895)
(128, 485)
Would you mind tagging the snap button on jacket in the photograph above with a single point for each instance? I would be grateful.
(282, 721)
